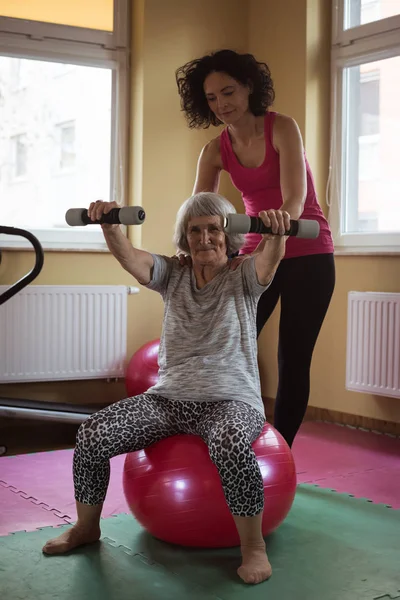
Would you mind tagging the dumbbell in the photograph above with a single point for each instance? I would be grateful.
(127, 215)
(238, 223)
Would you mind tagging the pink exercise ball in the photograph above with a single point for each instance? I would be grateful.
(142, 370)
(174, 490)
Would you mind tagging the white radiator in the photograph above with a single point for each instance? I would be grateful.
(373, 343)
(50, 333)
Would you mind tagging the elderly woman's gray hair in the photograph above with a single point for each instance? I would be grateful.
(205, 204)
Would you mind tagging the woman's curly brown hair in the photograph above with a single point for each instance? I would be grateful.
(242, 67)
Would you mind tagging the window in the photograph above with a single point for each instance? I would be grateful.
(364, 188)
(63, 133)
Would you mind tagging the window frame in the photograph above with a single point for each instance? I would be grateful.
(366, 43)
(51, 42)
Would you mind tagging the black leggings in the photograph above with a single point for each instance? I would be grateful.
(304, 286)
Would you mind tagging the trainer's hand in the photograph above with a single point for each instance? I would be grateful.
(99, 208)
(184, 259)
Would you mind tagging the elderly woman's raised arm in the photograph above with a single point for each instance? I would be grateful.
(272, 248)
(137, 262)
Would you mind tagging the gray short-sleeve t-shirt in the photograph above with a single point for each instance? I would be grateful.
(208, 346)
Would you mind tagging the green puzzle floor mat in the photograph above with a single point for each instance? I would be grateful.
(331, 547)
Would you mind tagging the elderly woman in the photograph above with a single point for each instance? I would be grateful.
(208, 374)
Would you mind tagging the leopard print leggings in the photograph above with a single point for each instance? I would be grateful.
(228, 428)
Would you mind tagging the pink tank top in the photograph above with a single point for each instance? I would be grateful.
(260, 189)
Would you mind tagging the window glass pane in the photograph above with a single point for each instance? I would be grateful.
(66, 138)
(19, 156)
(371, 147)
(94, 14)
(55, 140)
(359, 12)
(369, 102)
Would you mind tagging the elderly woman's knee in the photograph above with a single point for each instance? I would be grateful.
(88, 431)
(228, 440)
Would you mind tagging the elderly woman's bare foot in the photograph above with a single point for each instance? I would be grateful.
(72, 538)
(255, 564)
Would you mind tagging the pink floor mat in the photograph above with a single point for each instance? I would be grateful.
(325, 449)
(19, 512)
(381, 486)
(48, 476)
(37, 489)
(351, 461)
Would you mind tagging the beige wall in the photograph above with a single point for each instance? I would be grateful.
(175, 32)
(96, 14)
(293, 37)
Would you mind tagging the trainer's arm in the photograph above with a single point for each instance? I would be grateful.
(209, 167)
